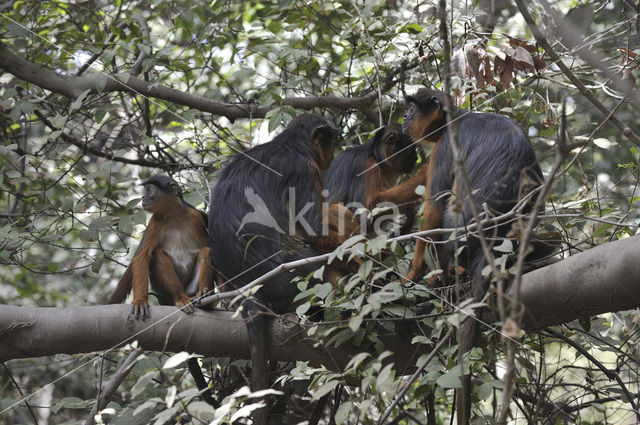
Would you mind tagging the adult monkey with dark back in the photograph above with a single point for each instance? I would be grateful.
(501, 166)
(358, 173)
(267, 210)
(174, 256)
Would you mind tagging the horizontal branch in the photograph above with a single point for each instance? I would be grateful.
(600, 280)
(34, 332)
(603, 279)
(73, 86)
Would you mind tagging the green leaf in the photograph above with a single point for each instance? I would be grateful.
(506, 246)
(451, 379)
(303, 308)
(342, 414)
(171, 395)
(71, 403)
(355, 322)
(177, 359)
(324, 389)
(385, 380)
(97, 265)
(189, 115)
(88, 235)
(101, 82)
(143, 383)
(166, 415)
(101, 223)
(275, 121)
(356, 360)
(321, 291)
(59, 121)
(77, 104)
(124, 77)
(411, 29)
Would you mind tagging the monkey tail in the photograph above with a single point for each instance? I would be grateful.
(123, 288)
(198, 377)
(468, 338)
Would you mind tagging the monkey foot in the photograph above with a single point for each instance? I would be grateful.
(411, 277)
(140, 309)
(185, 305)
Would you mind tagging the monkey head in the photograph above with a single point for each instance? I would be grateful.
(424, 119)
(397, 148)
(161, 193)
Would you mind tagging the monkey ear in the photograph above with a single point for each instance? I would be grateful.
(174, 189)
(324, 135)
(436, 102)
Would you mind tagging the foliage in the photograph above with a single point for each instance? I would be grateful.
(69, 211)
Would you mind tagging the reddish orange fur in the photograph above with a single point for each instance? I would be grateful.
(424, 128)
(374, 180)
(151, 261)
(404, 194)
(431, 219)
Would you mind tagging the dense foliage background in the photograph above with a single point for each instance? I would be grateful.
(74, 150)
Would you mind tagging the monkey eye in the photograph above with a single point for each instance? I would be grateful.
(149, 190)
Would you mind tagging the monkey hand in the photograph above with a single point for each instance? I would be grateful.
(185, 305)
(197, 298)
(140, 307)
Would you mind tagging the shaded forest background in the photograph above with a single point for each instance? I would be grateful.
(97, 95)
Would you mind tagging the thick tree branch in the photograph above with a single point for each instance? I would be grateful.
(74, 86)
(34, 332)
(603, 279)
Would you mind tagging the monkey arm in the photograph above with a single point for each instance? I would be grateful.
(338, 225)
(140, 270)
(206, 274)
(403, 195)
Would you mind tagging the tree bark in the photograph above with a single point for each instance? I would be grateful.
(73, 86)
(34, 332)
(603, 279)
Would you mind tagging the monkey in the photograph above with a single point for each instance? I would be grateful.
(174, 253)
(267, 210)
(174, 256)
(360, 172)
(501, 167)
(498, 158)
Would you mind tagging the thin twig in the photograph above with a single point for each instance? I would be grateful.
(415, 375)
(112, 386)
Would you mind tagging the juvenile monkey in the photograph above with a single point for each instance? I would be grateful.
(174, 255)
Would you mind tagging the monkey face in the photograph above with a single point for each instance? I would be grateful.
(161, 193)
(150, 197)
(423, 118)
(398, 149)
(323, 139)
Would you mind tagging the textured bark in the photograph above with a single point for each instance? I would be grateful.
(73, 86)
(603, 279)
(35, 332)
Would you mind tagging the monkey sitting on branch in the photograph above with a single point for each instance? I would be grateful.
(174, 255)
